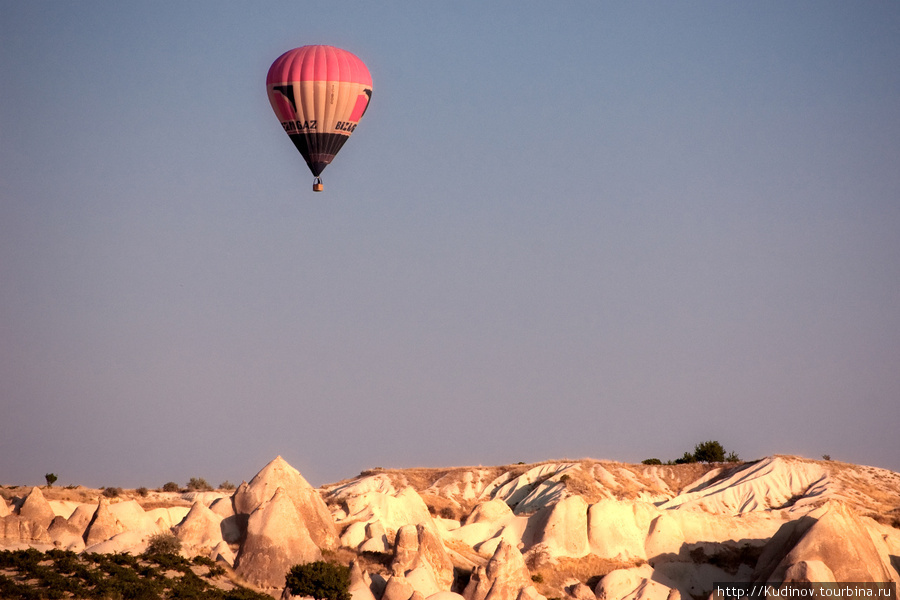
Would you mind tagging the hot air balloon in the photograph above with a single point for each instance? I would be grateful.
(319, 93)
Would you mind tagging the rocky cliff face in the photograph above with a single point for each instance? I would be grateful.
(582, 530)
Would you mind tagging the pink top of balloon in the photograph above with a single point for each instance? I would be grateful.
(318, 63)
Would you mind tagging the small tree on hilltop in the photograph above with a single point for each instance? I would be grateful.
(320, 579)
(686, 459)
(51, 479)
(708, 452)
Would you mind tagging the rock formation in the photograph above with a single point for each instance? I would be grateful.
(418, 548)
(760, 485)
(775, 520)
(831, 539)
(15, 529)
(491, 511)
(307, 501)
(449, 596)
(81, 517)
(276, 540)
(376, 538)
(360, 583)
(36, 509)
(808, 571)
(502, 578)
(398, 588)
(665, 539)
(354, 535)
(132, 517)
(565, 532)
(538, 487)
(392, 509)
(200, 531)
(103, 525)
(617, 530)
(636, 583)
(128, 542)
(65, 536)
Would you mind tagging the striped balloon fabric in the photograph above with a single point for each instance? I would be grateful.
(319, 94)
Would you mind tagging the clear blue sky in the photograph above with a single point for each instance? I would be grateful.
(584, 229)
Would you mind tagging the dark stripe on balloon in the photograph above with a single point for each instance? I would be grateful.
(318, 149)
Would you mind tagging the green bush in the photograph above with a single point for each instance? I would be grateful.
(204, 561)
(171, 486)
(320, 579)
(710, 451)
(198, 484)
(29, 574)
(685, 459)
(651, 461)
(112, 492)
(162, 544)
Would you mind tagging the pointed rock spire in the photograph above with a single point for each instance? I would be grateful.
(36, 509)
(277, 539)
(103, 525)
(307, 501)
(200, 529)
(418, 547)
(502, 578)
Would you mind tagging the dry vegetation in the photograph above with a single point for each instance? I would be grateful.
(373, 562)
(868, 487)
(445, 508)
(552, 578)
(147, 499)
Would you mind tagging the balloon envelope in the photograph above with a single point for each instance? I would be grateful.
(319, 93)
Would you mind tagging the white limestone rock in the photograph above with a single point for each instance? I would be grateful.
(277, 539)
(617, 529)
(636, 583)
(200, 531)
(502, 578)
(65, 536)
(360, 583)
(834, 536)
(15, 530)
(418, 548)
(36, 509)
(103, 526)
(565, 532)
(306, 499)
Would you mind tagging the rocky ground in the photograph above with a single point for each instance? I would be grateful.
(586, 529)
